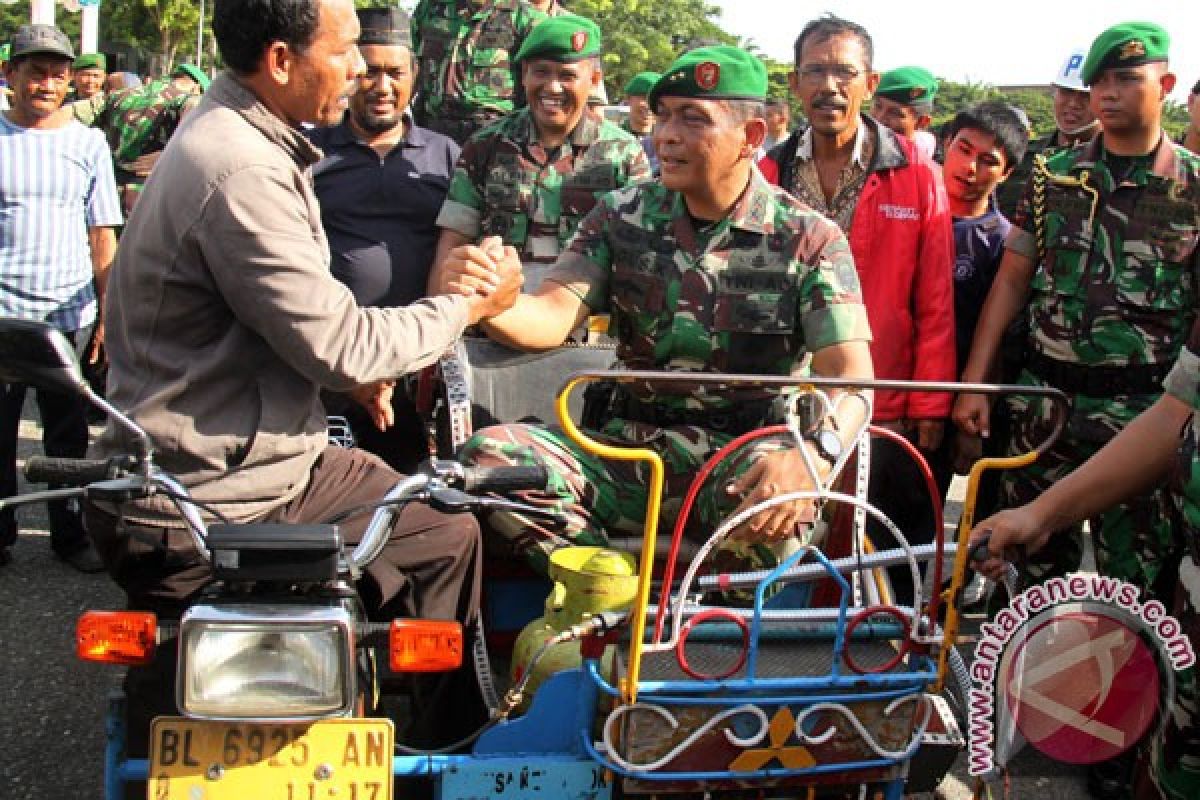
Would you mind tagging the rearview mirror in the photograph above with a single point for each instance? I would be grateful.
(40, 355)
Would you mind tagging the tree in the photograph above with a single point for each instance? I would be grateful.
(644, 35)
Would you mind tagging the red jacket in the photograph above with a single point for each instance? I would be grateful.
(902, 238)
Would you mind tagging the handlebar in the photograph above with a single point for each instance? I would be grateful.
(74, 471)
(504, 479)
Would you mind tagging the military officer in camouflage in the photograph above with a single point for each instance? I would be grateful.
(1103, 251)
(641, 117)
(90, 70)
(531, 177)
(464, 49)
(709, 270)
(140, 121)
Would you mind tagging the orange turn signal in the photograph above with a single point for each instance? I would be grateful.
(425, 645)
(116, 637)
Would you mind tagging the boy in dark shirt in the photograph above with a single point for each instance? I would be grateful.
(984, 144)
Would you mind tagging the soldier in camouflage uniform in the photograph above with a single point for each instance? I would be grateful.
(1108, 254)
(138, 123)
(1158, 447)
(466, 78)
(1104, 244)
(711, 270)
(531, 177)
(1075, 122)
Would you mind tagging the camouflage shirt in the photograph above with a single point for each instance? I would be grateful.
(753, 293)
(1118, 283)
(507, 185)
(464, 49)
(141, 120)
(1008, 194)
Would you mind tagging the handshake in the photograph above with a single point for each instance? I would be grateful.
(488, 274)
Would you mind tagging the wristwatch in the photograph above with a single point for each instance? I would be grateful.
(827, 444)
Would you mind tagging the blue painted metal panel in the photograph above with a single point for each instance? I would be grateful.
(525, 779)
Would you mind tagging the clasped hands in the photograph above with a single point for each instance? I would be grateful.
(488, 275)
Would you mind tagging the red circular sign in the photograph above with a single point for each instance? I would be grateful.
(1083, 687)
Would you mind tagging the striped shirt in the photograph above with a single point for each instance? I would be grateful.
(55, 184)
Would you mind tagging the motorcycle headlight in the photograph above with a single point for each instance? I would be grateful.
(265, 662)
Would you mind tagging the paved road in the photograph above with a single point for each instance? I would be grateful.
(52, 734)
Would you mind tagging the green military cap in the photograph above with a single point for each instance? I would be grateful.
(719, 72)
(908, 85)
(641, 83)
(565, 38)
(193, 72)
(91, 61)
(1129, 44)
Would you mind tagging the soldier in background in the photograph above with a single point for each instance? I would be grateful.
(1191, 137)
(640, 122)
(691, 269)
(531, 177)
(1103, 252)
(90, 70)
(903, 101)
(1075, 121)
(464, 51)
(140, 121)
(641, 117)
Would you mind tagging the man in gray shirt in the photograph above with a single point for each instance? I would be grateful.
(225, 323)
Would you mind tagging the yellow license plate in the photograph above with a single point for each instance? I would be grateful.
(336, 759)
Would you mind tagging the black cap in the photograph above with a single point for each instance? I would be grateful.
(33, 39)
(389, 26)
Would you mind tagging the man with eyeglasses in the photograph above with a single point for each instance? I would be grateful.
(381, 184)
(888, 199)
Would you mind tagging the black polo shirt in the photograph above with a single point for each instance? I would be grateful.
(379, 214)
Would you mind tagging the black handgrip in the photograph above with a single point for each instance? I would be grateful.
(68, 471)
(979, 552)
(504, 479)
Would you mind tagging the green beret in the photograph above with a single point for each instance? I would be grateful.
(908, 85)
(720, 72)
(91, 61)
(193, 72)
(1129, 44)
(565, 38)
(642, 83)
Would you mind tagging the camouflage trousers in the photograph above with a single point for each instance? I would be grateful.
(1134, 541)
(1169, 768)
(1137, 541)
(599, 498)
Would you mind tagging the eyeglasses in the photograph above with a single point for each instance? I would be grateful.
(842, 74)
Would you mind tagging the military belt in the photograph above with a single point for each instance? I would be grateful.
(744, 417)
(1098, 381)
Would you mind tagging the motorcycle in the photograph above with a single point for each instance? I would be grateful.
(820, 685)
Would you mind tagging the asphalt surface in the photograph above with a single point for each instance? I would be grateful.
(52, 724)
